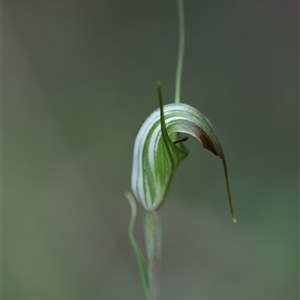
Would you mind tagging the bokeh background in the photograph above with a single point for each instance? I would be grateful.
(79, 78)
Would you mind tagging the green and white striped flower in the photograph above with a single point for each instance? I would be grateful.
(156, 157)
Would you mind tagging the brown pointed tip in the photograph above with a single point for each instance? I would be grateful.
(207, 142)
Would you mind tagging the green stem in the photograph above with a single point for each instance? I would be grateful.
(153, 236)
(180, 51)
(140, 258)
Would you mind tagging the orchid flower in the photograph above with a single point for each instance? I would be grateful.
(156, 157)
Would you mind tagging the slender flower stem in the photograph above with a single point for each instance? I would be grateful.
(180, 51)
(153, 237)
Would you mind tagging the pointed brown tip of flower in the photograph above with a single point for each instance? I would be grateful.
(207, 142)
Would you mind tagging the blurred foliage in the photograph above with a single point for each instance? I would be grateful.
(79, 79)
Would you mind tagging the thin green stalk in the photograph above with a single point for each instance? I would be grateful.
(153, 237)
(140, 258)
(180, 51)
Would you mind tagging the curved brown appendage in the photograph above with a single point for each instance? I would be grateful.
(183, 139)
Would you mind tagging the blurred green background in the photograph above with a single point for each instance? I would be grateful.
(79, 78)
